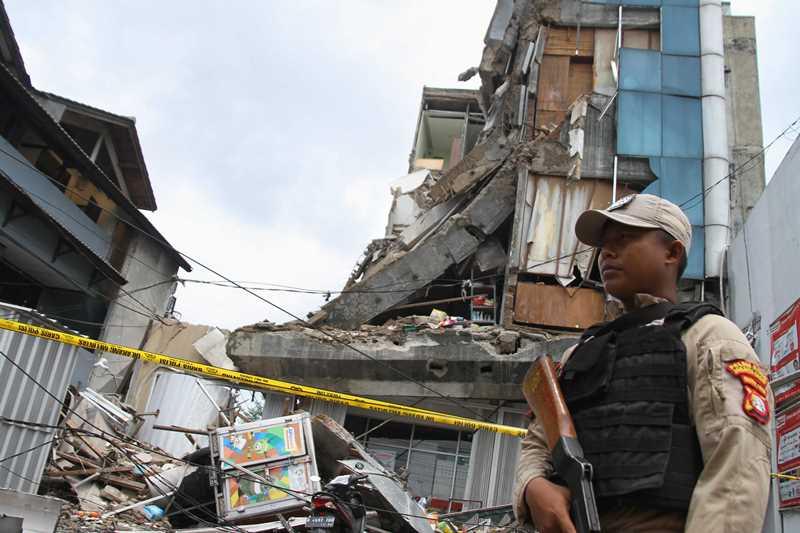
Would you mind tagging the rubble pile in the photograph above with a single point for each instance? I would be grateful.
(102, 473)
(73, 518)
(399, 330)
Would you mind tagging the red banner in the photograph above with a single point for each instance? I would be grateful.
(785, 352)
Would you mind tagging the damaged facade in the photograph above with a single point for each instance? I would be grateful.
(477, 273)
(581, 103)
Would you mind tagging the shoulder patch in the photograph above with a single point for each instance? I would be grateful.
(754, 382)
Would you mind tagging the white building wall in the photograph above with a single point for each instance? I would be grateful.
(150, 270)
(763, 266)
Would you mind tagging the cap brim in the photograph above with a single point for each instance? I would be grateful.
(590, 225)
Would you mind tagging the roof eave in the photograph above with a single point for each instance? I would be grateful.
(59, 137)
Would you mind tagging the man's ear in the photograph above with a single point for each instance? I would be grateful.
(675, 252)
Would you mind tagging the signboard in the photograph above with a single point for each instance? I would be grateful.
(789, 490)
(785, 353)
(261, 442)
(244, 493)
(787, 436)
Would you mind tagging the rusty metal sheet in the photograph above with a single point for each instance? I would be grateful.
(564, 41)
(604, 47)
(554, 306)
(552, 208)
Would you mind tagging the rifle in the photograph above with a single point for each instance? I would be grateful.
(544, 396)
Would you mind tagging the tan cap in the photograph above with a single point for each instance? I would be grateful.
(639, 211)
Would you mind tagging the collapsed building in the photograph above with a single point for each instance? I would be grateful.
(479, 271)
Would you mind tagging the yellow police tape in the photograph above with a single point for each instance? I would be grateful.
(261, 382)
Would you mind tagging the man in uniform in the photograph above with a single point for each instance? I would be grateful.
(670, 402)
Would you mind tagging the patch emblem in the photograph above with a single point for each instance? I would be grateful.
(622, 202)
(754, 381)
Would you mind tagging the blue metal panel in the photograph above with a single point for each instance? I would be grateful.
(682, 183)
(639, 70)
(680, 30)
(682, 127)
(687, 3)
(42, 192)
(695, 265)
(680, 75)
(639, 124)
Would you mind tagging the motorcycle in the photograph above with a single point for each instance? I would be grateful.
(338, 508)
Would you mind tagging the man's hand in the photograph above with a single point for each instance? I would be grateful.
(549, 506)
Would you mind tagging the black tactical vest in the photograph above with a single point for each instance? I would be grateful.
(625, 385)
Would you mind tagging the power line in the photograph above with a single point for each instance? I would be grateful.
(704, 192)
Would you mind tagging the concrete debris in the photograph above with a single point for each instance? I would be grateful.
(468, 74)
(507, 342)
(113, 494)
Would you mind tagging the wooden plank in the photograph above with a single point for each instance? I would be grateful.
(636, 39)
(563, 41)
(89, 471)
(580, 80)
(549, 118)
(124, 483)
(78, 460)
(643, 39)
(655, 40)
(553, 83)
(552, 306)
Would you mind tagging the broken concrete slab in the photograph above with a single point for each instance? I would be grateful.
(450, 361)
(456, 239)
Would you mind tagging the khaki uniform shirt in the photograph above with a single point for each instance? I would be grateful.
(732, 491)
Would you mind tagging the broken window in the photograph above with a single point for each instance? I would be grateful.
(450, 123)
(444, 137)
(435, 460)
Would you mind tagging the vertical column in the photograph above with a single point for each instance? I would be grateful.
(715, 135)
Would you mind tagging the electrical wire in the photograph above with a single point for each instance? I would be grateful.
(704, 192)
(208, 468)
(344, 343)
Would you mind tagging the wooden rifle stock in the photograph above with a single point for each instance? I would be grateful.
(543, 393)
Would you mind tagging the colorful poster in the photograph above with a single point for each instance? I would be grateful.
(785, 353)
(787, 434)
(270, 443)
(243, 492)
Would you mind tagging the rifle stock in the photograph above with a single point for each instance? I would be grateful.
(543, 393)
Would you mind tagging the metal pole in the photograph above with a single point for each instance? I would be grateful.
(455, 469)
(211, 399)
(137, 504)
(614, 181)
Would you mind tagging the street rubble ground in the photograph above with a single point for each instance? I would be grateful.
(109, 481)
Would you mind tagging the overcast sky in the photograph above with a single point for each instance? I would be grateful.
(271, 130)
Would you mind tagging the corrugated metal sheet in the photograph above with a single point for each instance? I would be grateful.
(180, 402)
(552, 208)
(51, 364)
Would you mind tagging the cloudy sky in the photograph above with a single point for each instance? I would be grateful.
(272, 129)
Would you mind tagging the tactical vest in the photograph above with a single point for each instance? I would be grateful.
(626, 387)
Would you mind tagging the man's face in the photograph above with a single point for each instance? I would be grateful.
(632, 260)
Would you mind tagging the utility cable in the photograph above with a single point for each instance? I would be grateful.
(705, 191)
